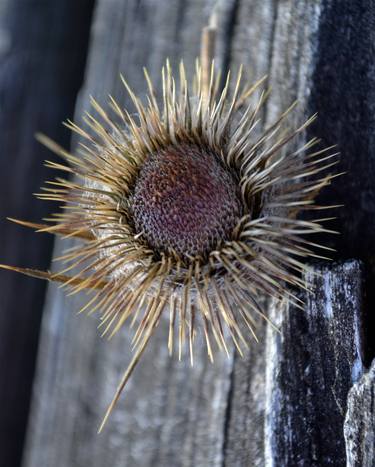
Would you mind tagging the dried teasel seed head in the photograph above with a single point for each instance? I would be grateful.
(187, 210)
(185, 200)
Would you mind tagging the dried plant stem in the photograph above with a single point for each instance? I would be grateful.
(62, 278)
(208, 43)
(54, 229)
(141, 348)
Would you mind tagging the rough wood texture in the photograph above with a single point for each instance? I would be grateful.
(235, 412)
(311, 367)
(343, 95)
(287, 407)
(359, 427)
(41, 70)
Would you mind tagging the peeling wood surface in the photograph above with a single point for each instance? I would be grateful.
(237, 412)
(359, 426)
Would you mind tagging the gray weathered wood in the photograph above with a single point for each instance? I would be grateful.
(288, 407)
(234, 412)
(343, 95)
(359, 426)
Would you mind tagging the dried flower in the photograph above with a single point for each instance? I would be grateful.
(186, 209)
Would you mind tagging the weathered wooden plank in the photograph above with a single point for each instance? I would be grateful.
(41, 70)
(311, 366)
(359, 428)
(306, 62)
(244, 435)
(343, 95)
(289, 409)
(281, 43)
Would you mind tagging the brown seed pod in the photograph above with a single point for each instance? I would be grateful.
(186, 209)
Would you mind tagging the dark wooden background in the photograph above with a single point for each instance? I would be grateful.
(302, 397)
(43, 49)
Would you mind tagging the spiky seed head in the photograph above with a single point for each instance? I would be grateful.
(185, 200)
(187, 209)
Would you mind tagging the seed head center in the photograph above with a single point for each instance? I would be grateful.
(185, 200)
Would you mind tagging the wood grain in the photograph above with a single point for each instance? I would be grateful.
(359, 428)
